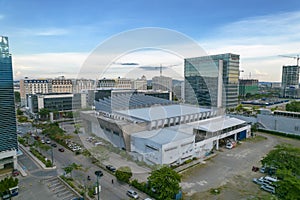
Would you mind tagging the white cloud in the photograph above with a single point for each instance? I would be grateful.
(51, 32)
(47, 65)
(259, 41)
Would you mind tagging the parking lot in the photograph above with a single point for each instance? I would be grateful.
(231, 170)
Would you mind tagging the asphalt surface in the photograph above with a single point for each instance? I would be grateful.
(35, 183)
(228, 163)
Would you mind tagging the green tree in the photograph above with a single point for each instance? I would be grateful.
(69, 169)
(7, 183)
(239, 108)
(124, 174)
(19, 112)
(293, 106)
(286, 159)
(44, 113)
(166, 182)
(289, 186)
(17, 97)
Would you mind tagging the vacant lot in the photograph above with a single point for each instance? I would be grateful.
(230, 171)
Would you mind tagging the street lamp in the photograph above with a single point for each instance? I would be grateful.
(98, 173)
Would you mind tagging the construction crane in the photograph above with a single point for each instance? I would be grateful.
(295, 57)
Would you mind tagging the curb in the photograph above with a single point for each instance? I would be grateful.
(40, 163)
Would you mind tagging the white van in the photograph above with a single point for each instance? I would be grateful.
(271, 179)
(268, 188)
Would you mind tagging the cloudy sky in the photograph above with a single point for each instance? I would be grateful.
(52, 38)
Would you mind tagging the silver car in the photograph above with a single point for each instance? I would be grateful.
(132, 194)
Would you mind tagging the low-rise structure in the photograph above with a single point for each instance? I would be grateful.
(55, 102)
(160, 131)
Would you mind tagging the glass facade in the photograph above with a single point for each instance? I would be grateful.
(201, 80)
(8, 132)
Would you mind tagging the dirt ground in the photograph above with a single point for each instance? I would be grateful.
(239, 185)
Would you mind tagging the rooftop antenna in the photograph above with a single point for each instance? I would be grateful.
(160, 70)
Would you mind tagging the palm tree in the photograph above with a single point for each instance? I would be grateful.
(69, 169)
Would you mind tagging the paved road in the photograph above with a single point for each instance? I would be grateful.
(109, 191)
(219, 170)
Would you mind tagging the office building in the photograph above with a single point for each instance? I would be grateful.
(124, 83)
(62, 85)
(248, 86)
(83, 85)
(290, 81)
(162, 83)
(33, 86)
(140, 83)
(8, 130)
(56, 102)
(106, 83)
(212, 80)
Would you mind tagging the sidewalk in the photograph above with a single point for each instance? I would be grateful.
(40, 163)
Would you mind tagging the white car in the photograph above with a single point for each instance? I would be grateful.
(268, 188)
(229, 146)
(132, 194)
(259, 181)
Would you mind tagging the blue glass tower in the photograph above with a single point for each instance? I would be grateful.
(8, 135)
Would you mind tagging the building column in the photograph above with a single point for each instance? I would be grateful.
(235, 136)
(15, 161)
(217, 145)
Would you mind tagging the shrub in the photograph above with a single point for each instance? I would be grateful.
(280, 134)
(124, 174)
(38, 155)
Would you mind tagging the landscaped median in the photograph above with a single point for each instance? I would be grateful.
(37, 157)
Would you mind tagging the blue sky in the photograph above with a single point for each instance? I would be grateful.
(60, 34)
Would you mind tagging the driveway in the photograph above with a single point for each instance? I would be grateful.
(229, 164)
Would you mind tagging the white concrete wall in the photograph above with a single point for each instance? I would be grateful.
(6, 154)
(179, 151)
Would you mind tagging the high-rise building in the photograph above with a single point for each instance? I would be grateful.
(290, 81)
(8, 132)
(162, 83)
(212, 80)
(248, 86)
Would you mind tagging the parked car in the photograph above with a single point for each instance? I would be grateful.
(258, 181)
(48, 141)
(78, 198)
(15, 172)
(54, 145)
(132, 194)
(268, 188)
(229, 146)
(61, 149)
(263, 170)
(43, 141)
(111, 168)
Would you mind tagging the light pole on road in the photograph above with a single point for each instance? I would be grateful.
(98, 173)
